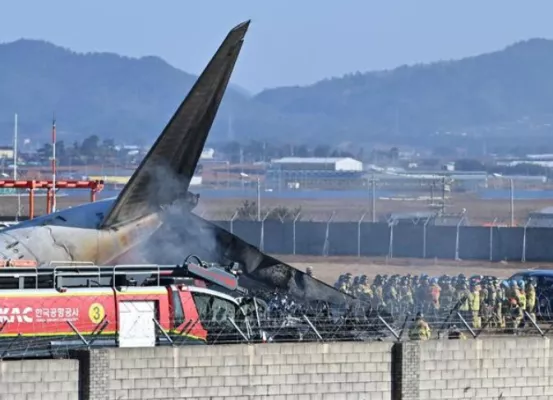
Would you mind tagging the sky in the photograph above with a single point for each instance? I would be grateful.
(290, 42)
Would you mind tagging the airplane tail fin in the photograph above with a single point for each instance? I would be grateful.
(165, 173)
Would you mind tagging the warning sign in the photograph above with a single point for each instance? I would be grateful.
(96, 313)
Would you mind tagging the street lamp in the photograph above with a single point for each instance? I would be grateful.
(243, 175)
(512, 197)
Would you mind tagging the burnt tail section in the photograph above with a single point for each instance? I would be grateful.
(165, 173)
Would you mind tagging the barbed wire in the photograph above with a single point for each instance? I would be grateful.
(32, 326)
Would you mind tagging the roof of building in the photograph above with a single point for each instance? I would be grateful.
(311, 160)
(546, 210)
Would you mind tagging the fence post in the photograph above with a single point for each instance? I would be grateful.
(524, 240)
(262, 232)
(424, 237)
(359, 234)
(232, 222)
(491, 239)
(294, 233)
(327, 235)
(391, 248)
(457, 239)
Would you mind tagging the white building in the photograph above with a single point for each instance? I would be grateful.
(318, 164)
(207, 154)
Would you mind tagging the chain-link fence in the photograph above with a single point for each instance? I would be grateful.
(420, 238)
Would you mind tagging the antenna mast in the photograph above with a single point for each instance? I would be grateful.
(54, 164)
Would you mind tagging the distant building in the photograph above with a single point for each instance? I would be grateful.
(207, 154)
(6, 152)
(318, 163)
(314, 173)
(542, 218)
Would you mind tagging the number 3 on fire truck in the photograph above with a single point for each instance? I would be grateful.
(96, 313)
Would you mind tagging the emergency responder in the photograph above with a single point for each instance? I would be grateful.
(515, 315)
(378, 293)
(406, 294)
(365, 291)
(338, 282)
(464, 297)
(346, 284)
(420, 329)
(390, 293)
(434, 294)
(521, 294)
(506, 303)
(447, 293)
(531, 298)
(475, 305)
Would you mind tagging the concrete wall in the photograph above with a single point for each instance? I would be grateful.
(500, 368)
(273, 371)
(489, 368)
(407, 240)
(39, 379)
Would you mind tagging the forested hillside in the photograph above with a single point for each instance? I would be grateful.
(131, 99)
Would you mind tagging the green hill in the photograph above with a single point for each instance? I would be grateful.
(501, 94)
(475, 94)
(95, 93)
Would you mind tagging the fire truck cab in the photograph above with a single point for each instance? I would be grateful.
(52, 309)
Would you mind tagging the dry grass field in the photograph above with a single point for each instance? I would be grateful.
(478, 211)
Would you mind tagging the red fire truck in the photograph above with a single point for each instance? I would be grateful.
(54, 308)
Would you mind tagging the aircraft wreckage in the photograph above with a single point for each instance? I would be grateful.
(152, 215)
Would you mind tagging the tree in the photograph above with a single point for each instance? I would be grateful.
(321, 150)
(248, 211)
(89, 146)
(469, 165)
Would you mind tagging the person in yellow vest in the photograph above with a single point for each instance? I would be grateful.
(531, 298)
(515, 314)
(420, 329)
(475, 306)
(464, 296)
(521, 294)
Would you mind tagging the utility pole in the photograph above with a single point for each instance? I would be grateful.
(15, 167)
(258, 199)
(373, 208)
(512, 195)
(54, 164)
(443, 195)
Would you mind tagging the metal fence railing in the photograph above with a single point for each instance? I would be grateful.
(421, 240)
(62, 330)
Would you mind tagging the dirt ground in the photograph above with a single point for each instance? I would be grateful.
(328, 269)
(478, 211)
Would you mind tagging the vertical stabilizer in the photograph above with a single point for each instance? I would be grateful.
(165, 173)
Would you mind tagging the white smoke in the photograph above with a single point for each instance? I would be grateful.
(181, 234)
